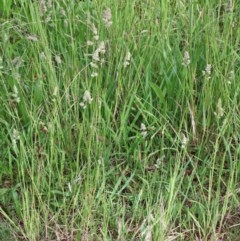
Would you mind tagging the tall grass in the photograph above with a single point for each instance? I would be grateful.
(119, 120)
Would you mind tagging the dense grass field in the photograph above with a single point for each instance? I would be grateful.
(120, 120)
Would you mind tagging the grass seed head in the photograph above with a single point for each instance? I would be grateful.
(143, 129)
(87, 97)
(107, 16)
(208, 70)
(186, 59)
(184, 140)
(219, 111)
(127, 59)
(58, 59)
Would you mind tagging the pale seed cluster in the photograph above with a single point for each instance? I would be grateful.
(127, 59)
(15, 138)
(32, 38)
(99, 47)
(143, 129)
(87, 99)
(219, 110)
(14, 96)
(184, 141)
(207, 71)
(55, 93)
(46, 9)
(58, 59)
(186, 59)
(107, 17)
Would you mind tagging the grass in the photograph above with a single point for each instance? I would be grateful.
(121, 132)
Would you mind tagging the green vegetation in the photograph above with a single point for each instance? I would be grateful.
(119, 120)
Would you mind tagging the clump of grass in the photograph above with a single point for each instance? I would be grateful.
(119, 121)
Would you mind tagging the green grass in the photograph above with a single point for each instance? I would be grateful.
(154, 154)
